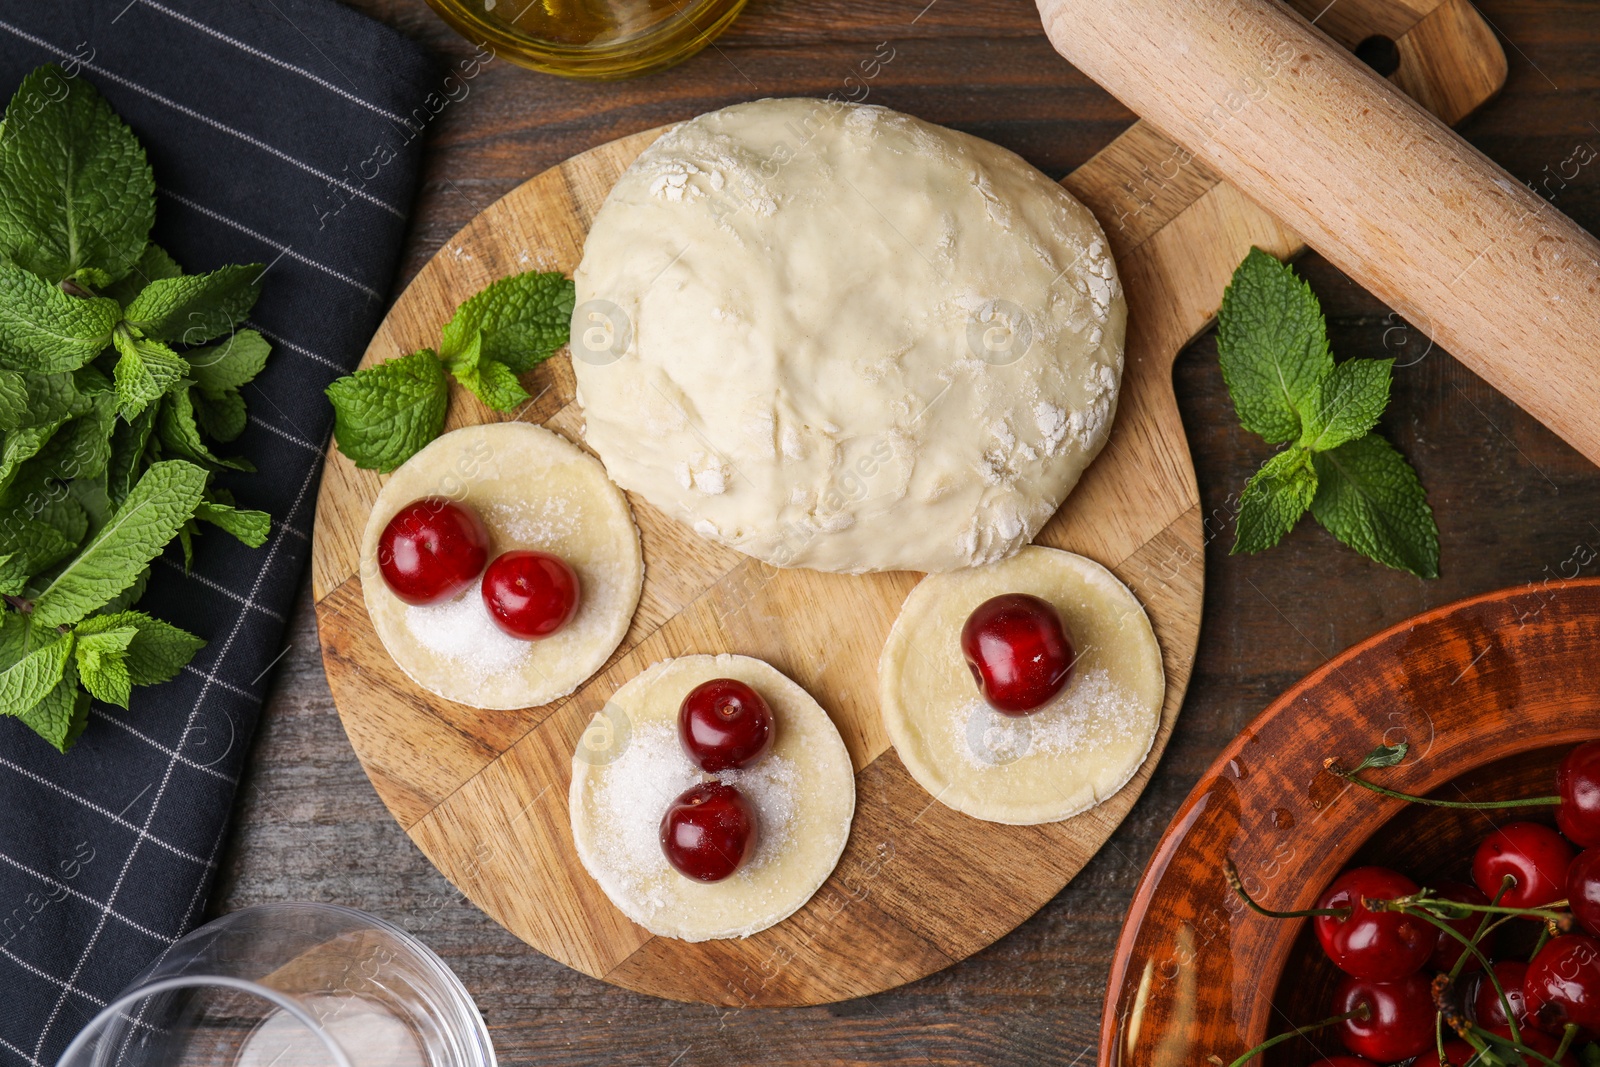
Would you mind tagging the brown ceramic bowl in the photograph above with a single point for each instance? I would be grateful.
(1488, 692)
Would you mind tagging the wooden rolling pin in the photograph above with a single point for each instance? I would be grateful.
(1395, 199)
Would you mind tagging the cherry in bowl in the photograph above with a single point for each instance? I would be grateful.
(1563, 984)
(530, 594)
(1534, 857)
(431, 550)
(1019, 652)
(1394, 1020)
(1583, 889)
(724, 725)
(1376, 945)
(1578, 785)
(1488, 1010)
(708, 832)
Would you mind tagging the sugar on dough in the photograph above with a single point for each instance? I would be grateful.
(1063, 759)
(835, 336)
(533, 489)
(803, 790)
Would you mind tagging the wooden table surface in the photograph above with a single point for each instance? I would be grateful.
(1514, 506)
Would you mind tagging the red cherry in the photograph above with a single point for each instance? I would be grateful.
(1448, 950)
(1458, 1053)
(1344, 1061)
(1399, 1022)
(1487, 1008)
(1535, 856)
(1583, 889)
(724, 724)
(431, 550)
(1382, 945)
(1018, 651)
(1563, 984)
(708, 831)
(530, 594)
(1578, 783)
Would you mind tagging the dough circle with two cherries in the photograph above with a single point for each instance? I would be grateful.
(630, 766)
(533, 489)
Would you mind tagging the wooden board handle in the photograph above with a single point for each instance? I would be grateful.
(1467, 253)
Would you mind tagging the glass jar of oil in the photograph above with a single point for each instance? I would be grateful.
(599, 39)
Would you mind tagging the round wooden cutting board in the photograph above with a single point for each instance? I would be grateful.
(484, 793)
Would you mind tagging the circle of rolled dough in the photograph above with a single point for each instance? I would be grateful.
(1060, 761)
(533, 489)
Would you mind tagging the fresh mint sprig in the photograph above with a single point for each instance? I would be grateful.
(385, 414)
(120, 375)
(1287, 389)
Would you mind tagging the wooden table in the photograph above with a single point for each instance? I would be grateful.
(1514, 506)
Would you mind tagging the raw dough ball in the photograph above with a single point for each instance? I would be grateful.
(803, 790)
(533, 489)
(838, 337)
(1073, 753)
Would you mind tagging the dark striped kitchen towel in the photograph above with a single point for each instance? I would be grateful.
(282, 131)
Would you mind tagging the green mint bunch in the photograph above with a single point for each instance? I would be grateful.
(120, 376)
(1286, 388)
(385, 414)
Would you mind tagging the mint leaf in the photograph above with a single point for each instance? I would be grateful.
(158, 651)
(1369, 497)
(29, 680)
(13, 400)
(221, 413)
(251, 527)
(1274, 499)
(28, 547)
(385, 414)
(180, 434)
(81, 448)
(523, 320)
(148, 519)
(195, 308)
(491, 382)
(1346, 403)
(61, 716)
(128, 454)
(75, 188)
(45, 331)
(154, 264)
(231, 363)
(147, 371)
(1273, 345)
(103, 667)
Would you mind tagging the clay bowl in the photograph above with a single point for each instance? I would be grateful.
(1489, 693)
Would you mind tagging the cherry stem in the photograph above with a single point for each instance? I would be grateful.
(1331, 765)
(1435, 905)
(1489, 1037)
(1360, 1011)
(1569, 1033)
(1237, 885)
(1471, 946)
(1486, 924)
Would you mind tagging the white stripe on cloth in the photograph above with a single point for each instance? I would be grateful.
(283, 342)
(218, 587)
(144, 835)
(190, 112)
(274, 60)
(58, 884)
(217, 216)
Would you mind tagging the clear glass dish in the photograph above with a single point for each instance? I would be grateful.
(290, 985)
(597, 39)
